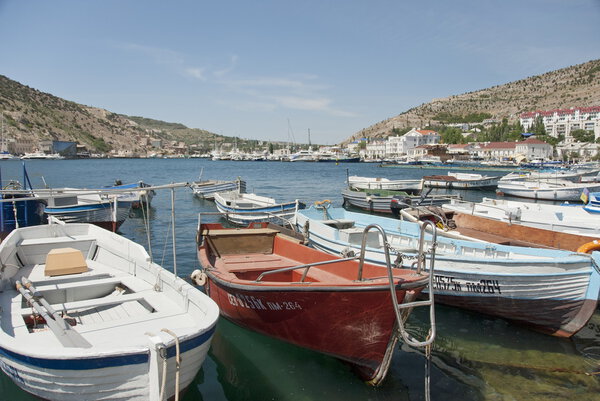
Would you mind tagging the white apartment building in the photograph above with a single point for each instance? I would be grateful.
(563, 121)
(375, 149)
(400, 145)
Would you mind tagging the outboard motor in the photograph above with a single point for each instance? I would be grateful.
(400, 202)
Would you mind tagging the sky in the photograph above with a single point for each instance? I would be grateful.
(276, 70)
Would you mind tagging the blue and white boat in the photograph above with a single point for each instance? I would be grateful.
(593, 203)
(553, 291)
(243, 209)
(70, 206)
(86, 315)
(141, 193)
(18, 206)
(206, 189)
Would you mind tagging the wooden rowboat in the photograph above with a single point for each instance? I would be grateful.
(273, 284)
(86, 315)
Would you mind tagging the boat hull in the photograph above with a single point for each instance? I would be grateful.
(246, 209)
(259, 279)
(110, 377)
(100, 214)
(450, 182)
(311, 319)
(207, 189)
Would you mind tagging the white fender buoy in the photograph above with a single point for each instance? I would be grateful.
(198, 277)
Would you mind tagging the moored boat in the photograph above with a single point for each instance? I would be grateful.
(381, 201)
(141, 194)
(411, 186)
(273, 284)
(86, 315)
(243, 209)
(461, 181)
(106, 212)
(558, 190)
(557, 226)
(552, 291)
(206, 189)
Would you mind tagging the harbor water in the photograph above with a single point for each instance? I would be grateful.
(475, 357)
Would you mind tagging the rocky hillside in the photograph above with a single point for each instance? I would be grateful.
(576, 86)
(33, 115)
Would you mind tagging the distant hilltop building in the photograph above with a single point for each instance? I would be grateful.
(564, 121)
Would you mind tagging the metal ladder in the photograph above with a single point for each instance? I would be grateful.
(403, 310)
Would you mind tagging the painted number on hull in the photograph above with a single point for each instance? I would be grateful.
(284, 305)
(251, 302)
(447, 283)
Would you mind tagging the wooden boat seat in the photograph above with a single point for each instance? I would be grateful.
(254, 262)
(57, 241)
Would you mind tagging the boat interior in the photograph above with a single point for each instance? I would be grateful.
(90, 287)
(268, 255)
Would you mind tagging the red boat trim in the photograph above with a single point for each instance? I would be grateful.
(306, 286)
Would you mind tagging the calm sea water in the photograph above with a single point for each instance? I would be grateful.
(474, 357)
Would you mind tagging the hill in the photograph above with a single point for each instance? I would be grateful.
(575, 86)
(32, 115)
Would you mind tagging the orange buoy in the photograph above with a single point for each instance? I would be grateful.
(589, 247)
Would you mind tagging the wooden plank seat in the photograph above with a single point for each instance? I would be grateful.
(253, 262)
(56, 241)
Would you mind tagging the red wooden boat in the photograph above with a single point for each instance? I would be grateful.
(269, 282)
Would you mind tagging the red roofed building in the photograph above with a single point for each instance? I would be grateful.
(534, 149)
(563, 121)
(530, 149)
(497, 150)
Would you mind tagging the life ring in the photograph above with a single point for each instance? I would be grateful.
(324, 204)
(198, 277)
(589, 247)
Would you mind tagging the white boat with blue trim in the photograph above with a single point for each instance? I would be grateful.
(243, 209)
(553, 291)
(86, 315)
(69, 206)
(206, 189)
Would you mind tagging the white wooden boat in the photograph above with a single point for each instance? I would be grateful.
(384, 201)
(357, 182)
(72, 207)
(461, 181)
(243, 209)
(141, 193)
(104, 322)
(572, 219)
(553, 291)
(513, 223)
(206, 189)
(574, 175)
(559, 190)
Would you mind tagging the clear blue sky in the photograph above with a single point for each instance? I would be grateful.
(246, 68)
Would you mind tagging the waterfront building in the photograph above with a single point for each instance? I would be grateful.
(401, 145)
(496, 150)
(564, 121)
(583, 151)
(375, 149)
(534, 149)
